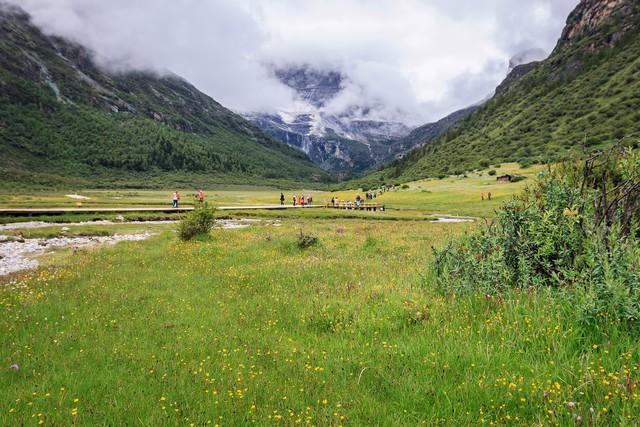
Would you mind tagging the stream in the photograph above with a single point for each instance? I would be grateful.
(21, 254)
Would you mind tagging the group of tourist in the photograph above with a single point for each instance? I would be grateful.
(300, 200)
(198, 197)
(358, 202)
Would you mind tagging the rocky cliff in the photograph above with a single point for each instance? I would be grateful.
(586, 19)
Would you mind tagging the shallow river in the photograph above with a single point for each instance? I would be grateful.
(22, 255)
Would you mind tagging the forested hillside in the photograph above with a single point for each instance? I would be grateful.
(64, 121)
(584, 97)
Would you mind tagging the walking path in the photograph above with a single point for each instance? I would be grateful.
(60, 211)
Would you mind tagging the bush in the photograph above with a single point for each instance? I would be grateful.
(577, 229)
(404, 186)
(197, 222)
(492, 172)
(525, 163)
(306, 240)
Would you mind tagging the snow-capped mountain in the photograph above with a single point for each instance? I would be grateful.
(344, 141)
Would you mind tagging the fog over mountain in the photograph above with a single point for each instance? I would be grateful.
(409, 61)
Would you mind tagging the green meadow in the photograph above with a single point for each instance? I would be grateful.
(244, 327)
(453, 195)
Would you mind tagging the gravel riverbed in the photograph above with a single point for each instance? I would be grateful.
(22, 255)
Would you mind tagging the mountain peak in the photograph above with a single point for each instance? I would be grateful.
(312, 85)
(588, 16)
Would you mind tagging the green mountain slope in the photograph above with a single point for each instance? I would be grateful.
(585, 96)
(427, 133)
(64, 121)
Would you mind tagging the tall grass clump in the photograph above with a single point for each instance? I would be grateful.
(576, 229)
(197, 222)
(306, 240)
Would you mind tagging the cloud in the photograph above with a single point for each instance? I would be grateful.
(213, 44)
(413, 60)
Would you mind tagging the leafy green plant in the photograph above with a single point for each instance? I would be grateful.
(492, 172)
(196, 222)
(577, 228)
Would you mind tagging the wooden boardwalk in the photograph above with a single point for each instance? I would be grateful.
(165, 209)
(360, 207)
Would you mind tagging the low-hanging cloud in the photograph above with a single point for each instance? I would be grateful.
(408, 60)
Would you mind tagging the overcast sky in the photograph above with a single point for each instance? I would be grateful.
(416, 59)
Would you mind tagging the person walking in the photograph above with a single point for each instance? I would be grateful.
(281, 199)
(176, 199)
(489, 195)
(200, 196)
(294, 200)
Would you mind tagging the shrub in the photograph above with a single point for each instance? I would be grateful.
(306, 240)
(197, 222)
(525, 163)
(577, 228)
(404, 186)
(492, 172)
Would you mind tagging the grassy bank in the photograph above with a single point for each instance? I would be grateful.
(247, 328)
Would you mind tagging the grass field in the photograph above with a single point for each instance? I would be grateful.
(246, 328)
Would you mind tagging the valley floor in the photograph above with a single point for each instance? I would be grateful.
(245, 328)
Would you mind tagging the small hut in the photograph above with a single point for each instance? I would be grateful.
(510, 178)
